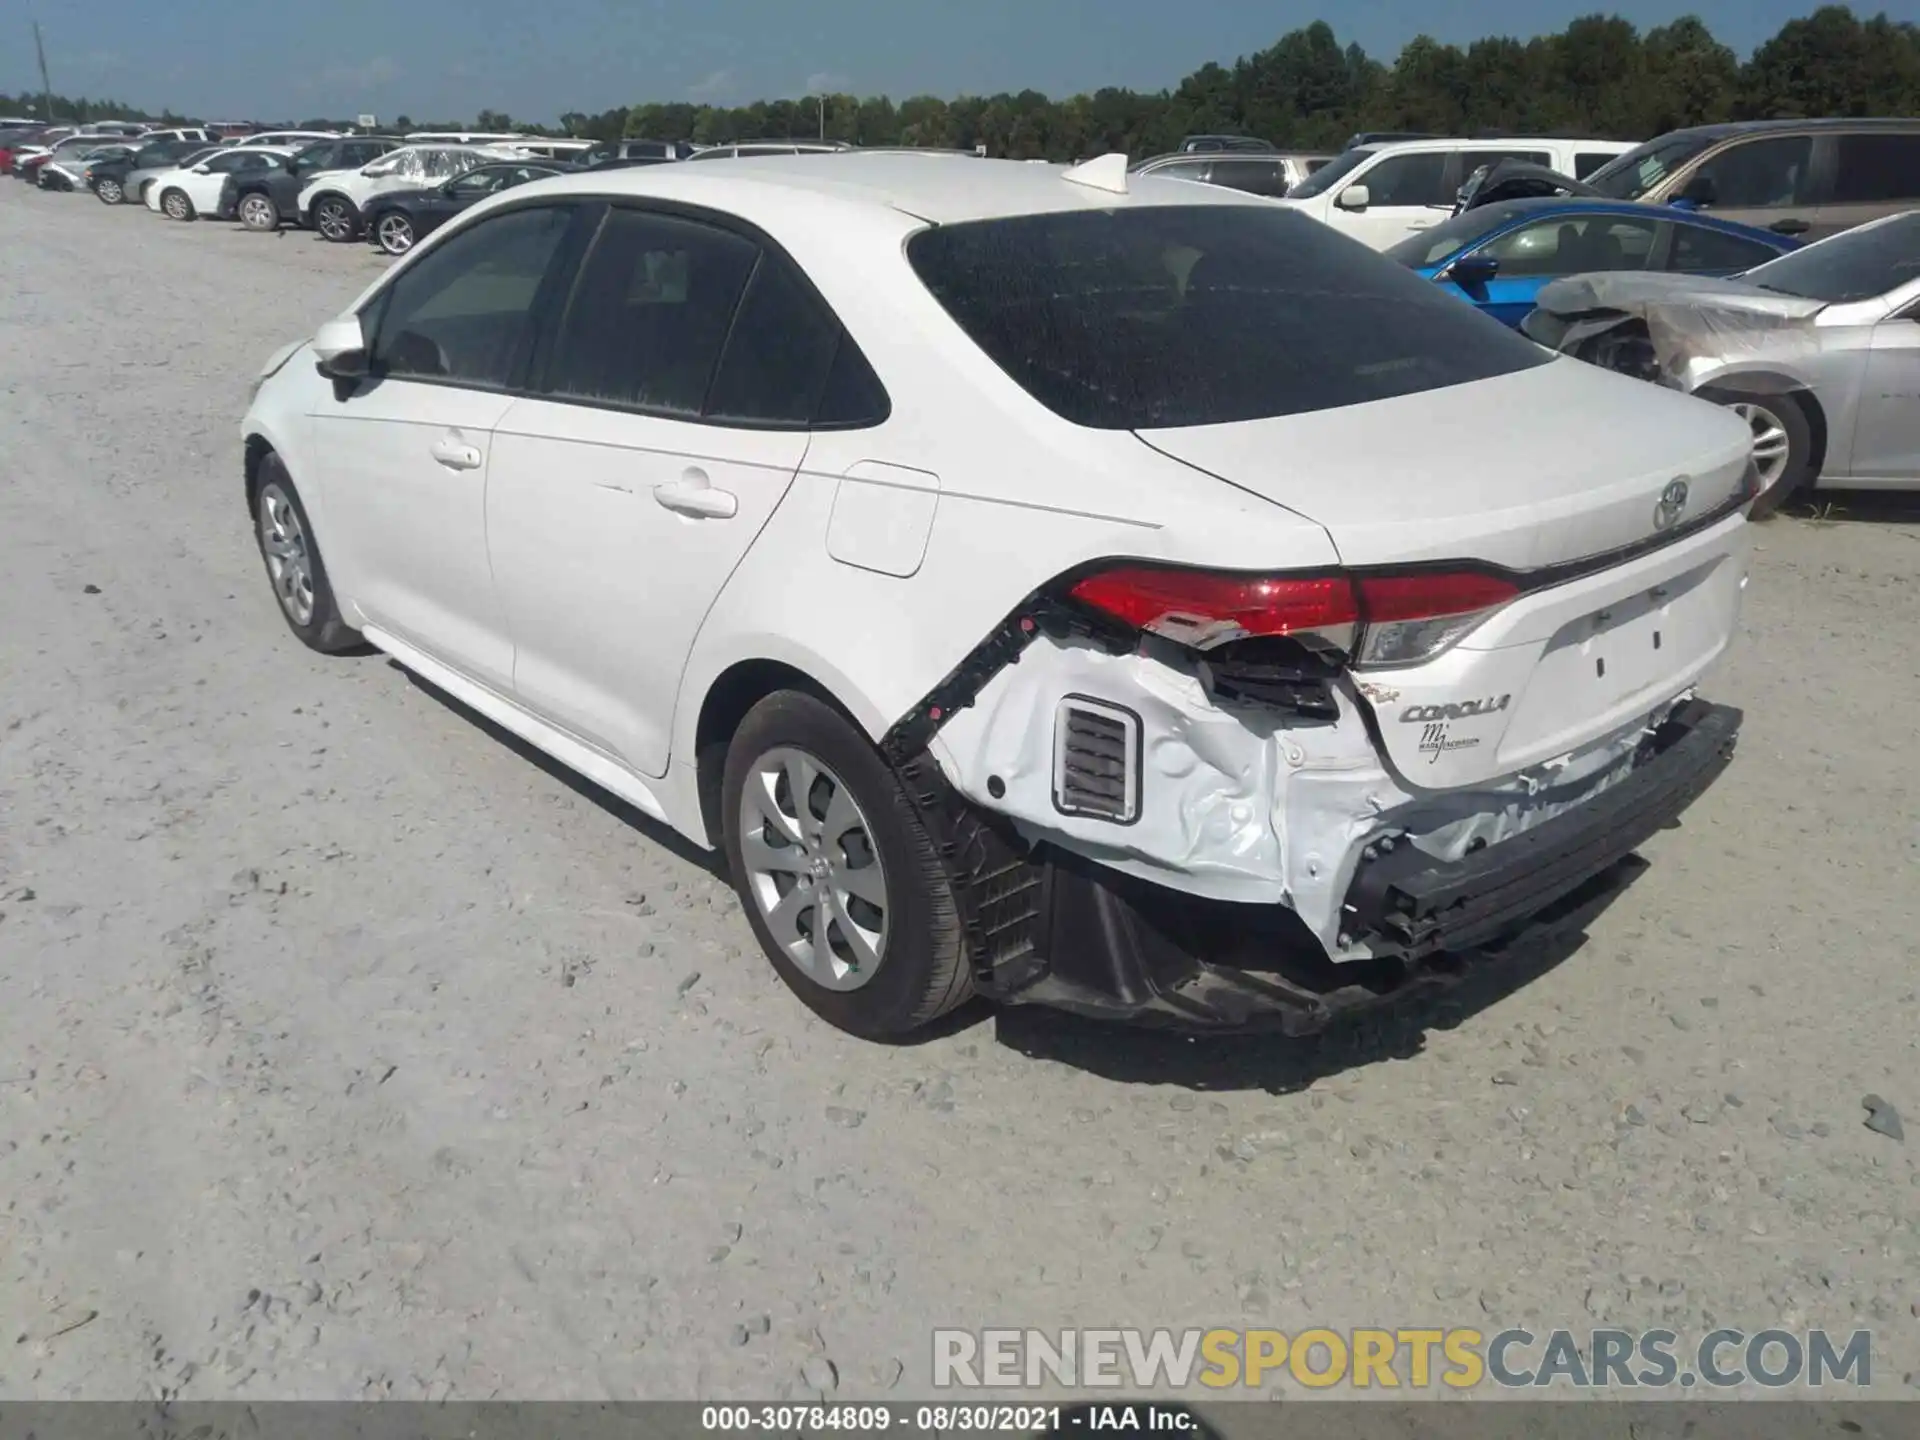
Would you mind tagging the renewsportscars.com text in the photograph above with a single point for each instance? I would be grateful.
(1388, 1359)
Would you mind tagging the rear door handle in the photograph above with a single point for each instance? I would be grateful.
(693, 494)
(456, 454)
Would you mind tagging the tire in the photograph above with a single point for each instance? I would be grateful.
(335, 217)
(921, 969)
(175, 205)
(395, 232)
(257, 212)
(110, 192)
(295, 571)
(1779, 424)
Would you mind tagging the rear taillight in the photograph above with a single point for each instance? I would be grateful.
(1382, 619)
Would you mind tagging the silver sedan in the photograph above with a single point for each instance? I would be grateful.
(1819, 350)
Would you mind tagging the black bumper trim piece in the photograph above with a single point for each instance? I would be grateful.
(1406, 902)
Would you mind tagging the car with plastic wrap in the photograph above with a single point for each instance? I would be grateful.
(334, 203)
(1818, 351)
(67, 171)
(1499, 256)
(1044, 584)
(398, 220)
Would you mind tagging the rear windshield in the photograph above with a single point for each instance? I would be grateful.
(1155, 317)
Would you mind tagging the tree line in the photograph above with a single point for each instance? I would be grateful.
(1600, 77)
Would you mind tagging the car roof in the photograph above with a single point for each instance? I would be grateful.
(940, 187)
(1760, 127)
(1548, 206)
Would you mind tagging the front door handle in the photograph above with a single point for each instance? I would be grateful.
(456, 454)
(693, 494)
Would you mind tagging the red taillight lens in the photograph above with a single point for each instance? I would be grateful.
(1392, 619)
(1200, 607)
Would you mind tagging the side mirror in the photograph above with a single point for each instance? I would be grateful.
(1471, 271)
(340, 349)
(1354, 197)
(203, 169)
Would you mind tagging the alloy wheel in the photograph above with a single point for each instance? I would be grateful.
(396, 234)
(1772, 448)
(257, 213)
(110, 192)
(812, 869)
(283, 540)
(330, 219)
(175, 205)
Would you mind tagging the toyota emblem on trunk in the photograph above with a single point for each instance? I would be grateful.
(1673, 503)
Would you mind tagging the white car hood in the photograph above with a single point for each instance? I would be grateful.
(1555, 463)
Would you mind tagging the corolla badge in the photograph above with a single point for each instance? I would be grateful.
(1673, 504)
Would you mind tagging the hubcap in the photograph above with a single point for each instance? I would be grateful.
(396, 235)
(253, 210)
(1772, 447)
(812, 869)
(284, 542)
(333, 220)
(176, 206)
(110, 192)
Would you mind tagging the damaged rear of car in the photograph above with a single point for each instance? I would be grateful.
(1819, 351)
(1229, 797)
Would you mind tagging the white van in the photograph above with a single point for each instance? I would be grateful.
(1380, 194)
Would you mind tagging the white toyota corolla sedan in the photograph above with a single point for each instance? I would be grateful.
(1046, 584)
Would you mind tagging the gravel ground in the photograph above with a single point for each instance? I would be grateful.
(349, 1050)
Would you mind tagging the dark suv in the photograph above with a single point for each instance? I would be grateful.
(1808, 178)
(267, 199)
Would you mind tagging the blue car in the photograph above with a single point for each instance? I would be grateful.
(1499, 255)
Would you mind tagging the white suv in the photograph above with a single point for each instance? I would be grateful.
(1039, 583)
(333, 203)
(1380, 194)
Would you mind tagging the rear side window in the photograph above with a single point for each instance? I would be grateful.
(1151, 317)
(650, 313)
(1877, 169)
(1255, 177)
(463, 315)
(1759, 174)
(1585, 162)
(785, 352)
(1573, 244)
(1699, 251)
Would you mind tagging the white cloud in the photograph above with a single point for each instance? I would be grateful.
(713, 87)
(380, 70)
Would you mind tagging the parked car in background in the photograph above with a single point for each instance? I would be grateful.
(190, 191)
(110, 179)
(1380, 194)
(332, 203)
(197, 133)
(1819, 351)
(1217, 144)
(636, 150)
(134, 184)
(1809, 178)
(568, 152)
(1387, 137)
(282, 139)
(266, 199)
(69, 172)
(744, 148)
(464, 137)
(68, 151)
(1320, 575)
(1499, 256)
(1271, 173)
(400, 219)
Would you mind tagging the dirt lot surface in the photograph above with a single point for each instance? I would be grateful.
(346, 1050)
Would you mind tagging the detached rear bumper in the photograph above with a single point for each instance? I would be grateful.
(1406, 903)
(1049, 928)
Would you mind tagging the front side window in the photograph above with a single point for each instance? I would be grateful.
(464, 313)
(1254, 177)
(1762, 174)
(1573, 245)
(650, 313)
(1149, 317)
(1407, 180)
(1878, 169)
(1632, 175)
(1700, 251)
(475, 183)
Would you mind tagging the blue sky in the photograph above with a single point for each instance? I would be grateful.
(535, 58)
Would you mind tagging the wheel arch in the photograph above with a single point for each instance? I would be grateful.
(1761, 381)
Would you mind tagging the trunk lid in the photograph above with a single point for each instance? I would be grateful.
(1540, 467)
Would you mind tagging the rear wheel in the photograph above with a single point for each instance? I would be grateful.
(110, 192)
(335, 218)
(175, 205)
(1782, 444)
(394, 231)
(842, 885)
(258, 212)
